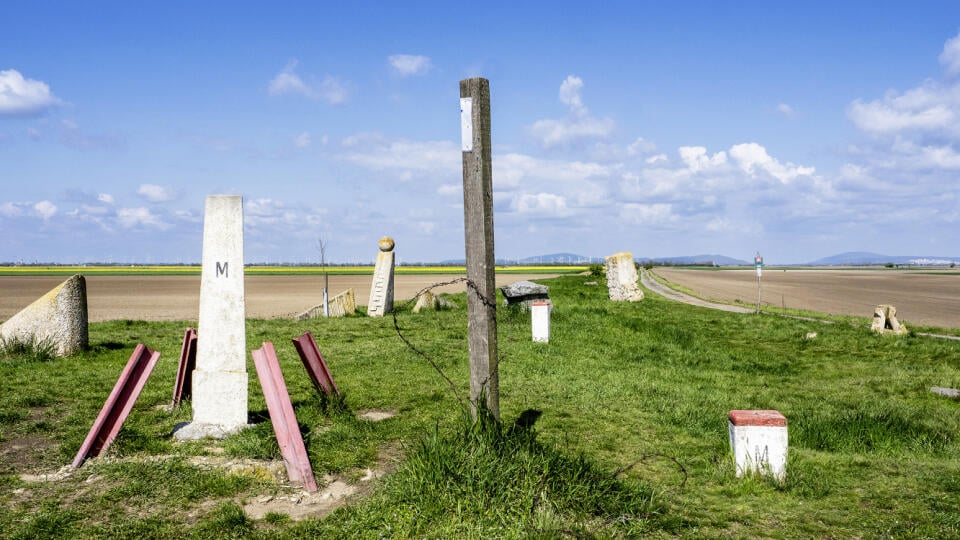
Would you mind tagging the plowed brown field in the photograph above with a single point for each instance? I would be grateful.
(927, 297)
(175, 298)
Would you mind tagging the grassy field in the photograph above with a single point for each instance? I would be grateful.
(630, 437)
(187, 270)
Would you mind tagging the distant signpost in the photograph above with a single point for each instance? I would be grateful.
(758, 262)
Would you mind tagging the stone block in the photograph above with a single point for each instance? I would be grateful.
(622, 278)
(524, 293)
(758, 440)
(58, 318)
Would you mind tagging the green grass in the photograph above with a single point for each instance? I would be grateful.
(629, 439)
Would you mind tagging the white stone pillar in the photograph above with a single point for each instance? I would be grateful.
(220, 379)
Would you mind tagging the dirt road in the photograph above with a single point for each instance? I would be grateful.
(928, 298)
(174, 298)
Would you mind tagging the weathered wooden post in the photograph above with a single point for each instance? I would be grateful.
(478, 232)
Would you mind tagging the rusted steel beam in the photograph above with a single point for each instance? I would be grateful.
(188, 362)
(316, 367)
(282, 417)
(117, 407)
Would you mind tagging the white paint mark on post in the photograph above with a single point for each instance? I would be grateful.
(466, 124)
(220, 378)
(540, 321)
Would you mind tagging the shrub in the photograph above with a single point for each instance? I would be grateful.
(596, 270)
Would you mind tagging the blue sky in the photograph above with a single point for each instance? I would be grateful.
(663, 128)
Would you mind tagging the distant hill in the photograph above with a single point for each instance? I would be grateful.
(862, 258)
(719, 260)
(558, 258)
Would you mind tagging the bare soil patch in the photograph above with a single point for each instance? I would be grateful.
(927, 298)
(177, 298)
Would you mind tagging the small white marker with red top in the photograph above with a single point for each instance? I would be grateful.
(540, 320)
(759, 442)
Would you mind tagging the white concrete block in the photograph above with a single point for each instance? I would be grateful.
(540, 321)
(758, 440)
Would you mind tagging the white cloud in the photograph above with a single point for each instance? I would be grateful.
(22, 96)
(373, 151)
(647, 214)
(548, 204)
(641, 146)
(509, 170)
(785, 109)
(570, 94)
(130, 218)
(753, 158)
(11, 210)
(45, 209)
(330, 89)
(155, 193)
(580, 124)
(409, 64)
(302, 140)
(950, 57)
(652, 160)
(450, 189)
(697, 159)
(105, 198)
(930, 107)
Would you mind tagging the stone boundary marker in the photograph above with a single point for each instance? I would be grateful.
(758, 440)
(622, 278)
(220, 380)
(885, 320)
(428, 300)
(540, 320)
(381, 290)
(342, 304)
(58, 318)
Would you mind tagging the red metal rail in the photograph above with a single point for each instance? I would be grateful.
(182, 387)
(316, 367)
(282, 417)
(117, 407)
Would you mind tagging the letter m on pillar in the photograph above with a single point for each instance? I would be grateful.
(223, 270)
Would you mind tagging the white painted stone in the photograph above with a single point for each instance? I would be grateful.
(540, 321)
(622, 278)
(58, 318)
(220, 379)
(759, 448)
(381, 290)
